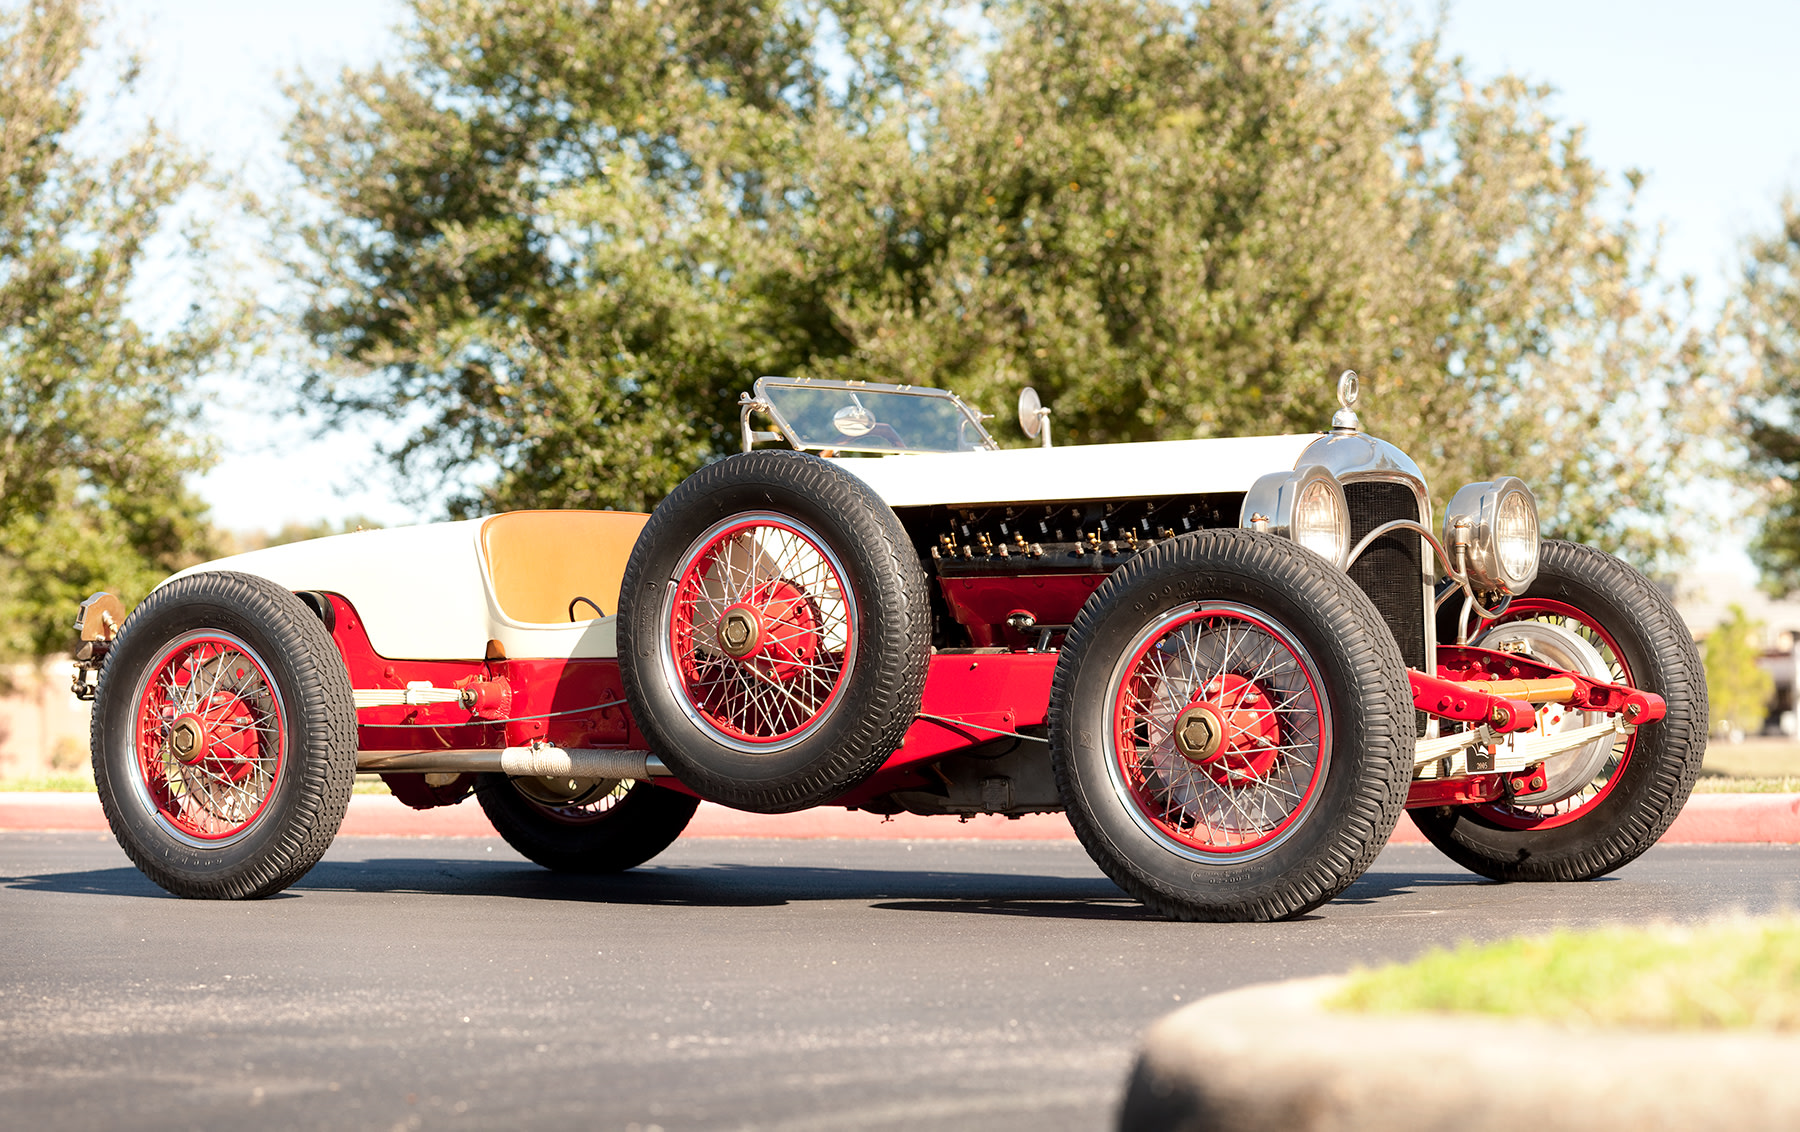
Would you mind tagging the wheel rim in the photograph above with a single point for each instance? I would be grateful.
(761, 632)
(573, 801)
(1220, 740)
(210, 740)
(1518, 815)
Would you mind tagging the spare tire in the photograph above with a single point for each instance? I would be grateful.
(774, 631)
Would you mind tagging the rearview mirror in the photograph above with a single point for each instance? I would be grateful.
(1034, 419)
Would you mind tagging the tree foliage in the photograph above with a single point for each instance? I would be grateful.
(92, 437)
(560, 236)
(1737, 689)
(1766, 319)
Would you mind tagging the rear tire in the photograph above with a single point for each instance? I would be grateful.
(224, 737)
(774, 631)
(1640, 790)
(1231, 728)
(607, 827)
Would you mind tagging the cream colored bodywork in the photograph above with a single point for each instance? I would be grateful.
(425, 593)
(422, 592)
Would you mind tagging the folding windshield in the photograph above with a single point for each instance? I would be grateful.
(859, 416)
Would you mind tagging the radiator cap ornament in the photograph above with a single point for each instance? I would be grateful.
(1345, 420)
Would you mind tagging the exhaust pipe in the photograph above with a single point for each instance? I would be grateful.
(540, 760)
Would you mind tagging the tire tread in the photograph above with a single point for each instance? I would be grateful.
(896, 612)
(322, 747)
(1664, 764)
(1384, 717)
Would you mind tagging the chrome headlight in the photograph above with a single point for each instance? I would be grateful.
(1306, 505)
(1498, 522)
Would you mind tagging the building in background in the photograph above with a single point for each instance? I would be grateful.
(43, 727)
(1705, 600)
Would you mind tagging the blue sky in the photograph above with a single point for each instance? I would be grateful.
(1699, 96)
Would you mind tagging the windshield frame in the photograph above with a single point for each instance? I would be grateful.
(971, 426)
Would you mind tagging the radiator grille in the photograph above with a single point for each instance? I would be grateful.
(1391, 572)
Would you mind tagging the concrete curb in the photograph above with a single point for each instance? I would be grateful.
(1708, 819)
(1270, 1059)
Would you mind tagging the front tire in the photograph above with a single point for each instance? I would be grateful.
(584, 827)
(1636, 792)
(224, 737)
(1231, 728)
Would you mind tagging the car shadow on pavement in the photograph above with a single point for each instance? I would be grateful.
(1371, 888)
(89, 882)
(1116, 907)
(709, 885)
(1375, 886)
(712, 884)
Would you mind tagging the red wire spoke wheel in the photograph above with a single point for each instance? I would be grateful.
(1219, 737)
(774, 631)
(224, 736)
(762, 637)
(584, 826)
(1520, 814)
(209, 738)
(1231, 728)
(1639, 786)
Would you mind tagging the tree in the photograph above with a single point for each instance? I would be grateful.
(1766, 319)
(563, 234)
(540, 235)
(1736, 688)
(93, 438)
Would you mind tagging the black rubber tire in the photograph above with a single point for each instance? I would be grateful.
(1654, 784)
(1365, 692)
(305, 803)
(884, 582)
(636, 827)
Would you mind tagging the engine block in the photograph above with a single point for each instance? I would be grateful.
(1015, 576)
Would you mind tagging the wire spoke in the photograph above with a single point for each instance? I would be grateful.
(222, 692)
(1270, 753)
(804, 643)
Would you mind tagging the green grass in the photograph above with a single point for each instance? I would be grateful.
(82, 782)
(370, 784)
(1730, 975)
(1753, 758)
(1711, 784)
(56, 782)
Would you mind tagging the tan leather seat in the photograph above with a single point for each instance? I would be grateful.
(540, 561)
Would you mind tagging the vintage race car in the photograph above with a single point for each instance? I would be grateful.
(1231, 662)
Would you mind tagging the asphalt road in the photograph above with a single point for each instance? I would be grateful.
(733, 984)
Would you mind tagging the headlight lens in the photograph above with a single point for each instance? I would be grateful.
(1516, 538)
(1318, 523)
(1497, 523)
(1305, 505)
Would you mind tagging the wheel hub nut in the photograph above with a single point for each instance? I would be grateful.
(739, 632)
(187, 740)
(1199, 733)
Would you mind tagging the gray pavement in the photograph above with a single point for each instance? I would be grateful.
(732, 984)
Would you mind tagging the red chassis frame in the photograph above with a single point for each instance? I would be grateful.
(970, 698)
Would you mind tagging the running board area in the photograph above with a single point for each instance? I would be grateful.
(540, 760)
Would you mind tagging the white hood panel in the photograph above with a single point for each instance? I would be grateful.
(1090, 471)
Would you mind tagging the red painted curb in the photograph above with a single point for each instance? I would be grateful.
(1737, 817)
(1708, 819)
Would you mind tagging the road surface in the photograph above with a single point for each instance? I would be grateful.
(732, 984)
